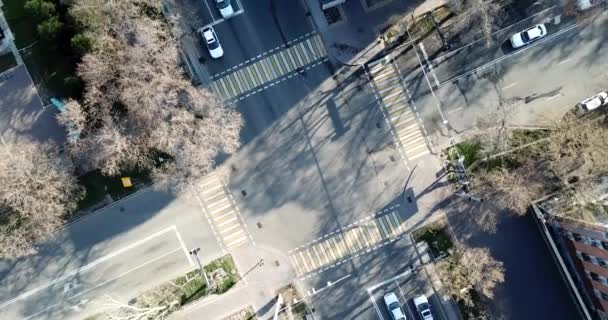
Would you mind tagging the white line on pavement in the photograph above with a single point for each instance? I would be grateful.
(85, 268)
(553, 97)
(181, 242)
(105, 282)
(404, 274)
(564, 61)
(452, 111)
(509, 85)
(371, 297)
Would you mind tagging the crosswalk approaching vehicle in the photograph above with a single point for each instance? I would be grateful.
(337, 247)
(394, 100)
(270, 69)
(222, 213)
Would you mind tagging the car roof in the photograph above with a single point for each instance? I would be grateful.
(534, 31)
(397, 313)
(208, 34)
(390, 298)
(420, 299)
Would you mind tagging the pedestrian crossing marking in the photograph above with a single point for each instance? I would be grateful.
(222, 213)
(392, 97)
(361, 237)
(270, 68)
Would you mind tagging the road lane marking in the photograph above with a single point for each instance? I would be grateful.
(87, 267)
(564, 61)
(554, 96)
(508, 86)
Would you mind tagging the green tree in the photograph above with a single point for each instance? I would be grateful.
(40, 9)
(83, 43)
(50, 27)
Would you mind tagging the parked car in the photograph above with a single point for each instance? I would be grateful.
(393, 306)
(527, 36)
(423, 307)
(213, 44)
(589, 104)
(225, 8)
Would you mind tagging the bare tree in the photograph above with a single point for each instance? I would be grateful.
(579, 147)
(481, 13)
(139, 103)
(471, 268)
(37, 191)
(116, 310)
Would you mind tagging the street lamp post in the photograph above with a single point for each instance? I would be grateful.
(195, 252)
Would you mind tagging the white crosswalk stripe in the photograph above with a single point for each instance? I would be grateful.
(361, 238)
(222, 213)
(394, 100)
(265, 71)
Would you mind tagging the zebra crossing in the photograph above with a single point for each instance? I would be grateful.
(338, 247)
(394, 100)
(222, 213)
(271, 69)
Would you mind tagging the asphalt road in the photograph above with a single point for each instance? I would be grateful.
(120, 251)
(536, 84)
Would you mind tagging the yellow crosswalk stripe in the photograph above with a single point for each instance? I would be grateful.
(354, 232)
(341, 245)
(256, 75)
(234, 83)
(305, 262)
(224, 84)
(303, 54)
(317, 256)
(291, 59)
(350, 242)
(323, 253)
(373, 229)
(334, 247)
(311, 48)
(275, 63)
(270, 72)
(368, 236)
(397, 221)
(389, 224)
(219, 90)
(250, 80)
(282, 63)
(313, 262)
(385, 233)
(362, 237)
(260, 72)
(296, 56)
(242, 82)
(320, 45)
(285, 61)
(295, 264)
(329, 251)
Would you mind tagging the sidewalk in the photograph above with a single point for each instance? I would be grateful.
(356, 38)
(257, 289)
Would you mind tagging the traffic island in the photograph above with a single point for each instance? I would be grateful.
(292, 304)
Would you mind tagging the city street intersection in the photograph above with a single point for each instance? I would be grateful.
(333, 175)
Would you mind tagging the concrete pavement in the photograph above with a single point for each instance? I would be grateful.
(121, 251)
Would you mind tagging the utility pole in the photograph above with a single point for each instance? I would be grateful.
(195, 252)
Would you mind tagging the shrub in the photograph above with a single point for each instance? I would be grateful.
(50, 27)
(40, 9)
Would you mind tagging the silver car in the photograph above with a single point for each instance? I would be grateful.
(213, 44)
(393, 306)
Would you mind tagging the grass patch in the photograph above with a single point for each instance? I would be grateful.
(193, 290)
(470, 151)
(436, 236)
(520, 137)
(229, 280)
(50, 62)
(300, 308)
(506, 162)
(97, 186)
(7, 61)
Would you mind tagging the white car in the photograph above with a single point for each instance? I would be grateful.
(423, 307)
(225, 8)
(592, 103)
(213, 44)
(393, 306)
(529, 35)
